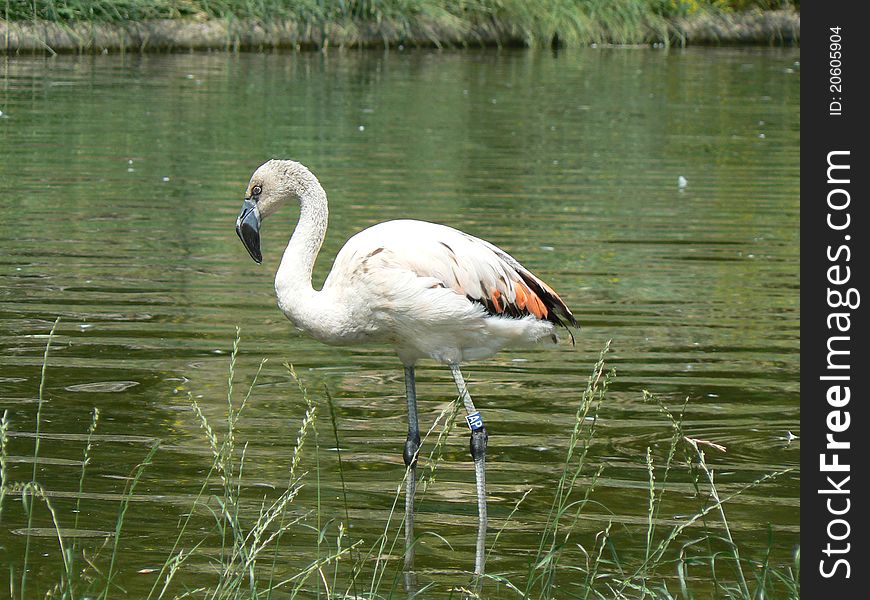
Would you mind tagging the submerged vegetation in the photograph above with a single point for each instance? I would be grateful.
(232, 544)
(265, 23)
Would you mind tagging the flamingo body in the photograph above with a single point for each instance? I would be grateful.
(430, 291)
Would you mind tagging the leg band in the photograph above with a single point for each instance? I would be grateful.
(474, 420)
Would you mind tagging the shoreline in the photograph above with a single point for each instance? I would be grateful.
(769, 28)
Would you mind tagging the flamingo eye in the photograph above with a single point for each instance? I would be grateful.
(256, 190)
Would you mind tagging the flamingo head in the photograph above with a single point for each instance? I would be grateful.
(273, 183)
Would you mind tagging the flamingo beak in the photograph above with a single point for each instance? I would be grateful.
(248, 229)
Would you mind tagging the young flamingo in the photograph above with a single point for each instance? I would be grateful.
(427, 290)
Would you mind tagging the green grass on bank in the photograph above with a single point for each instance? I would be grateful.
(570, 22)
(243, 537)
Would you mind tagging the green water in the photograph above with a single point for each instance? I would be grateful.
(120, 181)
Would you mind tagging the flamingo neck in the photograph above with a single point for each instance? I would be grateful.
(296, 296)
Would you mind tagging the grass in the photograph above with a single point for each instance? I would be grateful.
(441, 22)
(245, 540)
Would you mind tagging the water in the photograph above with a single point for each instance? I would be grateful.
(120, 181)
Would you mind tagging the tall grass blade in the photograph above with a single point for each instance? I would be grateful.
(40, 401)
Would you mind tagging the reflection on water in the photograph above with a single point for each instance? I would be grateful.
(120, 180)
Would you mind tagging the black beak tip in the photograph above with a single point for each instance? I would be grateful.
(251, 241)
(248, 230)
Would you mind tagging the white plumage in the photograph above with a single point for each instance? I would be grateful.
(424, 289)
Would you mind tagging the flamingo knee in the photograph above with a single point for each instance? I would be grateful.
(412, 448)
(479, 439)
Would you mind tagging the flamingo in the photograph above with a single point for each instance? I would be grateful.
(427, 290)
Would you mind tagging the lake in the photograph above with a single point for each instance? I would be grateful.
(120, 181)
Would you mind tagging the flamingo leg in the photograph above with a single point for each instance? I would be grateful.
(478, 454)
(412, 448)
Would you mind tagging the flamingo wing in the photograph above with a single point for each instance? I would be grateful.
(448, 258)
